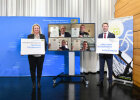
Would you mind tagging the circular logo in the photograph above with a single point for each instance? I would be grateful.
(116, 27)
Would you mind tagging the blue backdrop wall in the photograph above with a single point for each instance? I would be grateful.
(13, 29)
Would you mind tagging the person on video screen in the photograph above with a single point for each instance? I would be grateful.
(64, 46)
(82, 32)
(85, 46)
(63, 32)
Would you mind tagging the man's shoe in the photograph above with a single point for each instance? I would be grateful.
(34, 85)
(100, 83)
(110, 85)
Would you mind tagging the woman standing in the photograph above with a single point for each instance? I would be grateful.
(36, 61)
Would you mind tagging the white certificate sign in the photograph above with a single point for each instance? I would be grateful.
(107, 46)
(76, 44)
(54, 31)
(54, 43)
(32, 46)
(75, 32)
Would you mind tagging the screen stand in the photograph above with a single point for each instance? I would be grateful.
(71, 71)
(71, 63)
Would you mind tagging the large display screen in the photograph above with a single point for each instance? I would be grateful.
(71, 37)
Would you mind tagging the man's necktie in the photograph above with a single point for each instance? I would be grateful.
(104, 35)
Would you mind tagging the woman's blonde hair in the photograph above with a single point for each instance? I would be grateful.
(33, 29)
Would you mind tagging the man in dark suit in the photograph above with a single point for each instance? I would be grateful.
(105, 57)
(82, 32)
(63, 33)
(63, 47)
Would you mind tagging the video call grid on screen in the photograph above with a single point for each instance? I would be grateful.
(71, 37)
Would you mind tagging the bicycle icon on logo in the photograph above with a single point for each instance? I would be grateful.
(126, 41)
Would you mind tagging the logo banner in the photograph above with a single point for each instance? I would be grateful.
(123, 62)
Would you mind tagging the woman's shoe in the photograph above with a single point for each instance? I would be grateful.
(38, 84)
